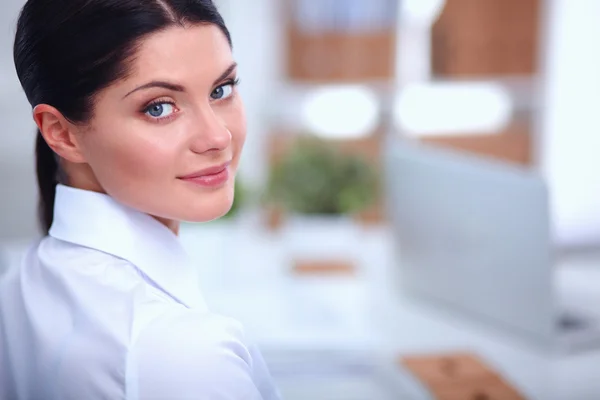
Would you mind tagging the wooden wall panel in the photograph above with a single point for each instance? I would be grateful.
(337, 58)
(329, 46)
(475, 38)
(512, 145)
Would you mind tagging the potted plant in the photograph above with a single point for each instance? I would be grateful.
(315, 178)
(320, 189)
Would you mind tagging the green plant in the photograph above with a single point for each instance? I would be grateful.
(314, 177)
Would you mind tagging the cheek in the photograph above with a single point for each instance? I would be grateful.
(126, 156)
(235, 121)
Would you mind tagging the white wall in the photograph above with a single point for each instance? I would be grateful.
(18, 196)
(9, 11)
(570, 136)
(16, 134)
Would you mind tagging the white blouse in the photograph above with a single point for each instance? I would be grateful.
(107, 306)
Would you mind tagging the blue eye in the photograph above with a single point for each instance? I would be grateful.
(160, 110)
(222, 92)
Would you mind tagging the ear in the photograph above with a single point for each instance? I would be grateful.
(59, 133)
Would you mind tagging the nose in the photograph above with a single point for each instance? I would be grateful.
(210, 133)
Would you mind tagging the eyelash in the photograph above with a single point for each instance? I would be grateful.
(233, 82)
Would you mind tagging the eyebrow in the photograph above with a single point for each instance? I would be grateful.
(179, 88)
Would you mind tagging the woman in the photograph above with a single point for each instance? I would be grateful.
(140, 127)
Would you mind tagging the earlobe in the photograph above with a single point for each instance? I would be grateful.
(58, 132)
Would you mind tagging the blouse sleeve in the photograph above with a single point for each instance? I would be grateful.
(192, 355)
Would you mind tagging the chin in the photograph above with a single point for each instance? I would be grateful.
(211, 216)
(209, 207)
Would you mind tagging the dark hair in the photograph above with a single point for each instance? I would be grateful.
(65, 52)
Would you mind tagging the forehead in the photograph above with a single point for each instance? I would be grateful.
(182, 53)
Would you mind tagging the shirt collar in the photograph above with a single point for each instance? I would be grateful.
(97, 221)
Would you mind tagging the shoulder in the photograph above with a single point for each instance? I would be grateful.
(190, 354)
(53, 251)
(84, 266)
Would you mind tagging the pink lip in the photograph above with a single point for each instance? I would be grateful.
(209, 177)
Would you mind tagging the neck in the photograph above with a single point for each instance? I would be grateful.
(81, 176)
(169, 223)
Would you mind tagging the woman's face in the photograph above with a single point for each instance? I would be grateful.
(167, 139)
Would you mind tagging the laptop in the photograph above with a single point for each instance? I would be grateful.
(474, 235)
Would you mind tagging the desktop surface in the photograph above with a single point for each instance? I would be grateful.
(264, 297)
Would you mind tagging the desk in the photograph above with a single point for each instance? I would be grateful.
(366, 314)
(244, 275)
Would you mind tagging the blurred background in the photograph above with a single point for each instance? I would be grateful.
(391, 145)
